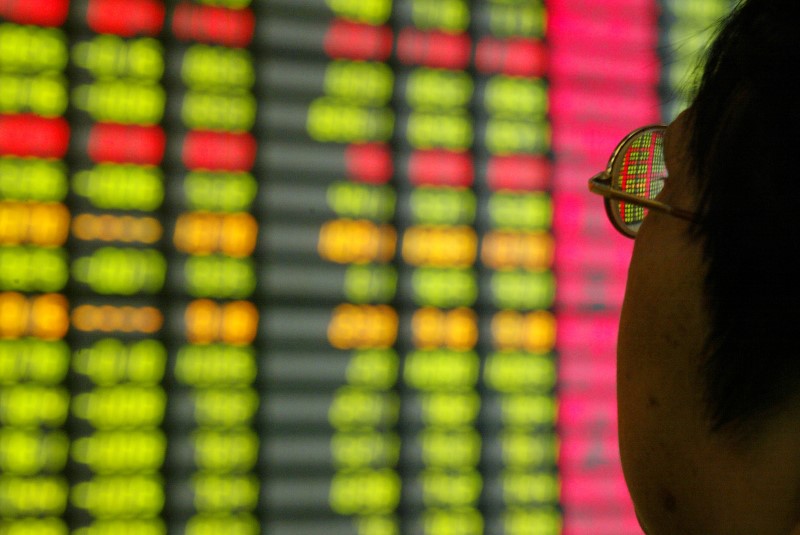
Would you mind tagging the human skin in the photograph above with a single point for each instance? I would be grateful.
(684, 478)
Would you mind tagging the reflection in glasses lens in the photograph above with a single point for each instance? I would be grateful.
(638, 170)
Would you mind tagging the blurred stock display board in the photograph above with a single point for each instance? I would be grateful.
(299, 267)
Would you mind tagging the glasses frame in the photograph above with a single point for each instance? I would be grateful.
(601, 185)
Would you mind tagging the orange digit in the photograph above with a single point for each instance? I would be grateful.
(239, 322)
(146, 230)
(343, 329)
(494, 253)
(388, 243)
(239, 232)
(435, 253)
(111, 318)
(14, 222)
(461, 329)
(82, 318)
(507, 329)
(537, 250)
(364, 241)
(362, 327)
(427, 328)
(383, 327)
(147, 320)
(49, 224)
(468, 242)
(415, 245)
(334, 242)
(540, 331)
(202, 318)
(50, 317)
(197, 233)
(14, 315)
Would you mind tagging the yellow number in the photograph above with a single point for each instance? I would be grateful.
(511, 371)
(457, 521)
(121, 101)
(450, 15)
(365, 492)
(219, 111)
(354, 407)
(543, 520)
(369, 11)
(431, 89)
(376, 368)
(119, 451)
(332, 120)
(206, 365)
(428, 130)
(451, 489)
(440, 369)
(510, 136)
(105, 496)
(516, 97)
(28, 48)
(454, 449)
(450, 409)
(523, 488)
(225, 451)
(124, 405)
(226, 407)
(359, 81)
(362, 449)
(27, 452)
(222, 493)
(529, 410)
(42, 495)
(526, 449)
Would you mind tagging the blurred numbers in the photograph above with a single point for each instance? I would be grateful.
(118, 359)
(214, 238)
(518, 250)
(353, 110)
(592, 108)
(34, 223)
(439, 250)
(318, 266)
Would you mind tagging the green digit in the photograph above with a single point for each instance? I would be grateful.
(146, 361)
(49, 96)
(220, 276)
(50, 267)
(146, 58)
(451, 15)
(529, 211)
(437, 89)
(523, 290)
(370, 284)
(362, 82)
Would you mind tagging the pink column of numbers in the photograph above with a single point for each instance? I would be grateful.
(604, 74)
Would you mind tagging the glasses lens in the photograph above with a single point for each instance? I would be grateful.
(639, 170)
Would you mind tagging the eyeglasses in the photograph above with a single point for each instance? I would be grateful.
(635, 175)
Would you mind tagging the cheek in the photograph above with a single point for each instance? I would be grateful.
(638, 395)
(646, 434)
(658, 388)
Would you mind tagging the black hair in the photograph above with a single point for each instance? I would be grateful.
(745, 149)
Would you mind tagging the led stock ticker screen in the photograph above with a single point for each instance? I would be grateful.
(302, 267)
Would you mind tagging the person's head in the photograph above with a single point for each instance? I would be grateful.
(709, 342)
